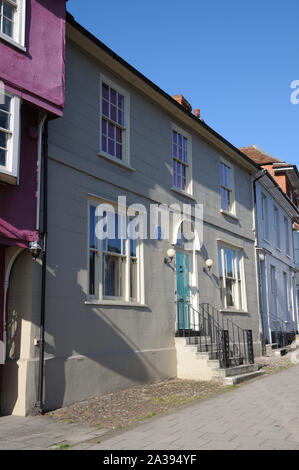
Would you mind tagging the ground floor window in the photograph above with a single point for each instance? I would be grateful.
(114, 257)
(232, 286)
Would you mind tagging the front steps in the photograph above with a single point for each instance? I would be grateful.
(195, 365)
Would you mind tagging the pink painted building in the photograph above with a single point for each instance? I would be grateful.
(32, 49)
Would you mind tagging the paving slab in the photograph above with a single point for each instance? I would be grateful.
(263, 414)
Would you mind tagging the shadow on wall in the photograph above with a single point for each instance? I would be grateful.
(116, 356)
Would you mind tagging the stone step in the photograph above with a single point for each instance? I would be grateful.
(198, 339)
(236, 370)
(236, 379)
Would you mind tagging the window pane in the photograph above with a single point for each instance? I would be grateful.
(113, 112)
(3, 139)
(112, 96)
(175, 150)
(114, 239)
(4, 120)
(120, 119)
(114, 276)
(133, 279)
(104, 126)
(111, 276)
(105, 91)
(229, 268)
(119, 151)
(225, 199)
(93, 241)
(111, 147)
(6, 105)
(7, 27)
(8, 10)
(105, 108)
(2, 157)
(104, 143)
(229, 292)
(111, 128)
(91, 273)
(120, 102)
(118, 135)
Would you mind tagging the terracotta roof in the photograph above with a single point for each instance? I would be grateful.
(259, 156)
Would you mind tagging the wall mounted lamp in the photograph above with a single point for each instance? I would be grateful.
(209, 264)
(170, 254)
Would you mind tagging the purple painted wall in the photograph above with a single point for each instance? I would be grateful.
(18, 203)
(37, 75)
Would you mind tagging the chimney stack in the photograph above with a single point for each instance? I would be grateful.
(196, 113)
(183, 102)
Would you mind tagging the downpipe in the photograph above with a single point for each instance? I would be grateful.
(44, 237)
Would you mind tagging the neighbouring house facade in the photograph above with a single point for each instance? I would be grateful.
(111, 311)
(287, 178)
(276, 262)
(32, 43)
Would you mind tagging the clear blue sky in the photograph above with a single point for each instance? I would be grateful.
(233, 59)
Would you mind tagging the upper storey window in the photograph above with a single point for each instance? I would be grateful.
(181, 160)
(9, 134)
(12, 21)
(114, 122)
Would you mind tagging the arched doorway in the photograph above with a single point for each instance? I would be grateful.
(187, 291)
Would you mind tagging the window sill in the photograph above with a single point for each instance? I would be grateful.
(8, 178)
(12, 42)
(115, 303)
(266, 241)
(183, 193)
(232, 310)
(116, 161)
(229, 214)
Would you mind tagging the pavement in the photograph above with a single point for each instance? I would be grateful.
(262, 414)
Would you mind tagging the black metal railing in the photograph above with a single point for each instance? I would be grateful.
(221, 338)
(283, 332)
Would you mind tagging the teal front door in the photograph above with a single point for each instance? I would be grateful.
(183, 290)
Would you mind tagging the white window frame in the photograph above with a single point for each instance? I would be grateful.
(274, 290)
(287, 235)
(222, 247)
(232, 189)
(98, 296)
(126, 160)
(18, 38)
(277, 227)
(189, 180)
(265, 217)
(13, 154)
